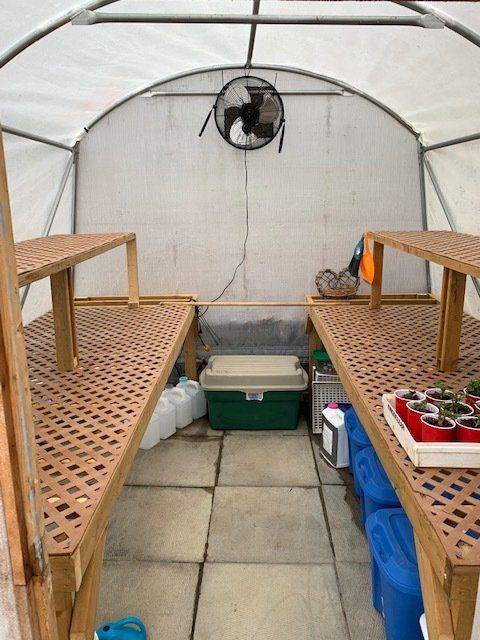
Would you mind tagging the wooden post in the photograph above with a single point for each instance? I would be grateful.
(441, 319)
(376, 291)
(18, 469)
(435, 600)
(86, 600)
(63, 611)
(190, 350)
(452, 321)
(314, 343)
(132, 265)
(64, 320)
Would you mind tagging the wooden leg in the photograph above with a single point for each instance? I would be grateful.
(435, 600)
(86, 600)
(452, 325)
(64, 320)
(441, 320)
(314, 343)
(190, 351)
(463, 608)
(132, 264)
(63, 610)
(376, 292)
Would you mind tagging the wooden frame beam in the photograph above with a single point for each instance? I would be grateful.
(64, 320)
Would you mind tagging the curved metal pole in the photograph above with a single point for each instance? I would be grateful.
(46, 28)
(270, 67)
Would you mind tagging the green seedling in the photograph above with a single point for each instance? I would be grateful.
(474, 388)
(411, 395)
(420, 406)
(443, 415)
(441, 385)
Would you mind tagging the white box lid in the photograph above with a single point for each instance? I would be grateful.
(254, 373)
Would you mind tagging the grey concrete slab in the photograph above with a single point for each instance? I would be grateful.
(268, 524)
(199, 427)
(267, 461)
(162, 524)
(266, 602)
(161, 595)
(301, 430)
(355, 586)
(178, 462)
(329, 475)
(343, 515)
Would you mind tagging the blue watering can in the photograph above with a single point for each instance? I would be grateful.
(124, 629)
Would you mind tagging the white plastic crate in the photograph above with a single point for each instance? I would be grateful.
(325, 388)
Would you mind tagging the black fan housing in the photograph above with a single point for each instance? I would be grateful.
(248, 112)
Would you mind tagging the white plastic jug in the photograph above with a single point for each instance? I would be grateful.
(197, 394)
(166, 413)
(151, 436)
(183, 406)
(334, 447)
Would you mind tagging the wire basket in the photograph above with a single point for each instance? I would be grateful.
(325, 388)
(331, 284)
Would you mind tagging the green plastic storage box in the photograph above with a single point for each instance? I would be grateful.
(254, 392)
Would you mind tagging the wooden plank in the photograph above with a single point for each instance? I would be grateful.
(64, 320)
(376, 292)
(453, 318)
(132, 266)
(63, 611)
(457, 251)
(435, 601)
(190, 351)
(18, 471)
(86, 600)
(89, 246)
(441, 321)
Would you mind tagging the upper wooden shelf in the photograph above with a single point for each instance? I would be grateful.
(457, 251)
(42, 257)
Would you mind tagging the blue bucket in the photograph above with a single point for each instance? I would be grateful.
(376, 490)
(357, 440)
(396, 590)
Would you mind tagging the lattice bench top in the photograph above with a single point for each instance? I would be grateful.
(394, 347)
(41, 257)
(457, 251)
(86, 419)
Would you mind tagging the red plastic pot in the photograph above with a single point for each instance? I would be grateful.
(414, 423)
(465, 431)
(469, 399)
(436, 401)
(468, 410)
(401, 402)
(477, 407)
(436, 433)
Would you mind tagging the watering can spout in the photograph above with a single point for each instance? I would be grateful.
(124, 629)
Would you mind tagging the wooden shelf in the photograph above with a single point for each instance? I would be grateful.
(457, 251)
(42, 257)
(459, 254)
(376, 352)
(89, 422)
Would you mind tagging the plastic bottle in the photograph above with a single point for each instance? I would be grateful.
(165, 410)
(125, 629)
(183, 406)
(334, 447)
(197, 394)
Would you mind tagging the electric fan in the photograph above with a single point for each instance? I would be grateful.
(249, 113)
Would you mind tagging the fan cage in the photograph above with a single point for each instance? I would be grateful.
(260, 87)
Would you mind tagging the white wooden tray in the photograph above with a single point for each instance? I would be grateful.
(458, 455)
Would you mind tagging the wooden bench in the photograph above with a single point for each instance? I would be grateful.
(375, 352)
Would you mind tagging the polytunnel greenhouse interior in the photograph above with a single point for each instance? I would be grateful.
(239, 320)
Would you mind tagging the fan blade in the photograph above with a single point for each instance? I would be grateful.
(236, 96)
(238, 135)
(268, 111)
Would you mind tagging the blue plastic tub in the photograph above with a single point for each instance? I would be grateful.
(396, 590)
(357, 440)
(376, 490)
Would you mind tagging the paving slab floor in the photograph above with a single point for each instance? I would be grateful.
(239, 536)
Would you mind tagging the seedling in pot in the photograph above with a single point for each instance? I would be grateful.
(421, 406)
(444, 418)
(473, 388)
(411, 395)
(441, 392)
(459, 408)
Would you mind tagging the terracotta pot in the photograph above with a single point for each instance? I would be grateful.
(470, 399)
(414, 423)
(436, 401)
(465, 431)
(435, 432)
(401, 402)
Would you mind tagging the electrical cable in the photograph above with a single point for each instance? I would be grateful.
(247, 231)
